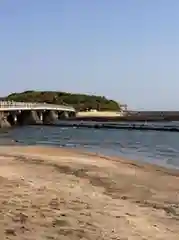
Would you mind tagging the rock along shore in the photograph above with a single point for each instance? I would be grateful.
(50, 193)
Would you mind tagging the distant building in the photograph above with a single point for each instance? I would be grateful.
(123, 107)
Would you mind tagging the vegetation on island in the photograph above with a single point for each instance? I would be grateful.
(80, 102)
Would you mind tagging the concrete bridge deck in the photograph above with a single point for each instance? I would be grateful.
(14, 106)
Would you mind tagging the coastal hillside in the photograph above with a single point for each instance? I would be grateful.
(79, 101)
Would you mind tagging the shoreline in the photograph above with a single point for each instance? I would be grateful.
(53, 193)
(120, 159)
(27, 151)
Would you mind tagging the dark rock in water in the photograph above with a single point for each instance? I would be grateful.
(3, 121)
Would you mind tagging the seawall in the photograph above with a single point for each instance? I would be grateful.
(127, 118)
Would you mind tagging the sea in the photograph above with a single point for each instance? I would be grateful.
(156, 147)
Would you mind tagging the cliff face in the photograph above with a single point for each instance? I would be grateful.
(79, 101)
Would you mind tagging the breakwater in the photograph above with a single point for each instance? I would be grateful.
(124, 126)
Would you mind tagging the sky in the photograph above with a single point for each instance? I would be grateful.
(127, 50)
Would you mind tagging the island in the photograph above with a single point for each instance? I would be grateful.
(81, 102)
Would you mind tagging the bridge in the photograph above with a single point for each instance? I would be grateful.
(12, 113)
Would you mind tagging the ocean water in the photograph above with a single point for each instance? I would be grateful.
(149, 146)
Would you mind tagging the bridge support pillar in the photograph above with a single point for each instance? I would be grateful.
(41, 117)
(49, 117)
(62, 115)
(72, 114)
(12, 118)
(3, 120)
(28, 117)
(66, 115)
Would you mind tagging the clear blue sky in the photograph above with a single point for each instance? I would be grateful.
(127, 50)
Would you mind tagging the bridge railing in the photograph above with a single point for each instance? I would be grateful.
(31, 105)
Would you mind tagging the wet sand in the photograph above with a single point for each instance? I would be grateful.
(50, 193)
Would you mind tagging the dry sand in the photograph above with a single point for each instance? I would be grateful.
(49, 193)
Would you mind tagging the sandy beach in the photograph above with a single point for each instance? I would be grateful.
(50, 193)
